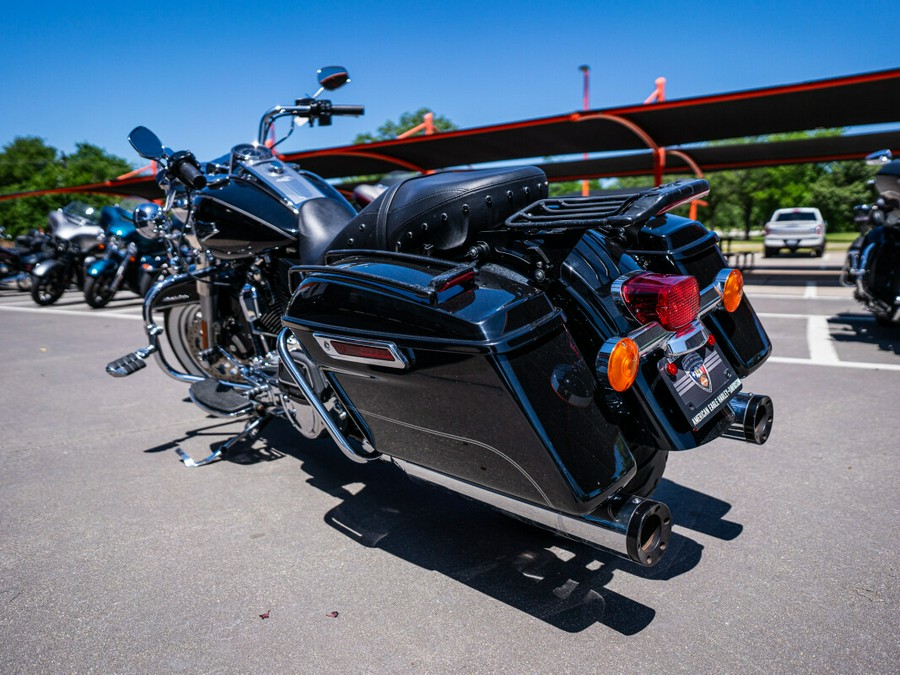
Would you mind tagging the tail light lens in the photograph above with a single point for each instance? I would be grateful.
(733, 290)
(673, 301)
(622, 368)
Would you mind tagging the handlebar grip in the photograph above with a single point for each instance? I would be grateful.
(348, 110)
(191, 176)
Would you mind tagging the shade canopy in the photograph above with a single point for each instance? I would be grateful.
(856, 100)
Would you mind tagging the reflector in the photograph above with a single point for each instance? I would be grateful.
(362, 351)
(733, 290)
(623, 364)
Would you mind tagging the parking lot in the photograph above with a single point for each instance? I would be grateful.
(290, 558)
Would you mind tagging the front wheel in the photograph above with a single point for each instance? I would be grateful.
(46, 290)
(651, 463)
(98, 291)
(183, 330)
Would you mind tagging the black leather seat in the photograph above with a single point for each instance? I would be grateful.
(441, 213)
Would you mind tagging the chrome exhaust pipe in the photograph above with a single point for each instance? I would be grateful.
(753, 415)
(634, 528)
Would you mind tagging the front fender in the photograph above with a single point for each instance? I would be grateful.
(45, 267)
(100, 268)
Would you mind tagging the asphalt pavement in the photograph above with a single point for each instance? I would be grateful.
(114, 557)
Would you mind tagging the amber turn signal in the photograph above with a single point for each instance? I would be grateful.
(623, 364)
(733, 290)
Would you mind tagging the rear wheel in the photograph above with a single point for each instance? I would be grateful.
(47, 290)
(770, 252)
(98, 291)
(651, 463)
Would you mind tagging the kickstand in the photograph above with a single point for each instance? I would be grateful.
(251, 429)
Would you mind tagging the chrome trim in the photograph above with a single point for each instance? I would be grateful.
(618, 526)
(400, 361)
(249, 302)
(154, 330)
(331, 426)
(687, 339)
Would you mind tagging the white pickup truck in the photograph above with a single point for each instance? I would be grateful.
(795, 228)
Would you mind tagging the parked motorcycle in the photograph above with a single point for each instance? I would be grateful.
(872, 266)
(130, 260)
(76, 238)
(18, 261)
(540, 355)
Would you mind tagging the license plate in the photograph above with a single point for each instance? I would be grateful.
(702, 384)
(792, 242)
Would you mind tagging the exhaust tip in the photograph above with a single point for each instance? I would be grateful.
(649, 530)
(753, 418)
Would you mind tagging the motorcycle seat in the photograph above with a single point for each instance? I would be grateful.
(442, 212)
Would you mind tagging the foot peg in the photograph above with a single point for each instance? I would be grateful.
(130, 363)
(251, 430)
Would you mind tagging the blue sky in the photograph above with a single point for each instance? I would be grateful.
(201, 74)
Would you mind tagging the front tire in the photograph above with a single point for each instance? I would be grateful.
(47, 290)
(182, 326)
(98, 291)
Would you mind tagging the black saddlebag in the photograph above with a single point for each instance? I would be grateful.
(470, 372)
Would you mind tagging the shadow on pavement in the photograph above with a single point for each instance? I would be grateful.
(865, 331)
(560, 582)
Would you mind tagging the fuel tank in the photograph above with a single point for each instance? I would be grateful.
(266, 206)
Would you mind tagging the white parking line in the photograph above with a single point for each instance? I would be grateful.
(794, 296)
(810, 291)
(837, 364)
(821, 344)
(71, 312)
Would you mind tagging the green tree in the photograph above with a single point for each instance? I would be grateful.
(408, 120)
(28, 163)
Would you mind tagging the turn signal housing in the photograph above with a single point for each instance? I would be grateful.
(672, 300)
(623, 363)
(733, 290)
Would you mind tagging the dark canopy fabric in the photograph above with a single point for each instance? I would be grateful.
(731, 156)
(869, 98)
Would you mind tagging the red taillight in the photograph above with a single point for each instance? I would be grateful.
(673, 301)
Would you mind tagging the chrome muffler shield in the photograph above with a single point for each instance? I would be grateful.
(631, 527)
(753, 417)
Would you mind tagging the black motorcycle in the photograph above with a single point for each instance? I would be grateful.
(540, 355)
(872, 266)
(19, 259)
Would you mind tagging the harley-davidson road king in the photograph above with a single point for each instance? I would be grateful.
(540, 355)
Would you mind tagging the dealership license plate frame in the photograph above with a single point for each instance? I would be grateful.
(697, 403)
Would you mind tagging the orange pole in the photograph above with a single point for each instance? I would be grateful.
(586, 102)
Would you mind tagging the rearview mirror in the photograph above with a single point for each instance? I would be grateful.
(146, 143)
(879, 158)
(333, 77)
